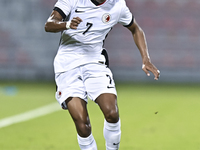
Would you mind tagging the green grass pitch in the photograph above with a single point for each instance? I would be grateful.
(154, 117)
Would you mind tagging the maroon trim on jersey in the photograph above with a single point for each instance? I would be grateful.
(97, 3)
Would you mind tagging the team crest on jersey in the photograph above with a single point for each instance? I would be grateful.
(106, 18)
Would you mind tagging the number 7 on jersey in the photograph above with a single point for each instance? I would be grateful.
(89, 25)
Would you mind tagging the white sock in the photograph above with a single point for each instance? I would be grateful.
(87, 143)
(112, 135)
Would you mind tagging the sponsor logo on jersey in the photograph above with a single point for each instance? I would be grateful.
(79, 11)
(106, 18)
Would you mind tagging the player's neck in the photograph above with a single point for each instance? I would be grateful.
(100, 1)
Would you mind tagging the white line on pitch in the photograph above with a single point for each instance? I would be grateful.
(42, 111)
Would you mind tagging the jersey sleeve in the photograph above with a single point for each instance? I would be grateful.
(64, 7)
(126, 17)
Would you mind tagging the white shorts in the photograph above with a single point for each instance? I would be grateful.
(86, 81)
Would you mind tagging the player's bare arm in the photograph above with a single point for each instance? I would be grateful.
(55, 23)
(140, 41)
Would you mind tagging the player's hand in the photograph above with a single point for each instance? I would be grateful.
(75, 22)
(148, 66)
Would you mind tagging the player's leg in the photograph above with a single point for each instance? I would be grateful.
(78, 111)
(108, 104)
(71, 95)
(100, 88)
(112, 126)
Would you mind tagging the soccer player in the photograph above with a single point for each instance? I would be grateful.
(80, 66)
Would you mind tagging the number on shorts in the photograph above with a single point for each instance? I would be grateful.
(110, 86)
(109, 78)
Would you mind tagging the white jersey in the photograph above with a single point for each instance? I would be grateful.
(84, 45)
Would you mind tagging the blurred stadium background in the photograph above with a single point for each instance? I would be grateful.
(171, 27)
(173, 36)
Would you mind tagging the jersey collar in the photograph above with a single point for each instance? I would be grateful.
(97, 3)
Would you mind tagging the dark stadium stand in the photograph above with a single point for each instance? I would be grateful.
(171, 27)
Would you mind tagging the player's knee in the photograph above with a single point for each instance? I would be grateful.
(84, 129)
(112, 116)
